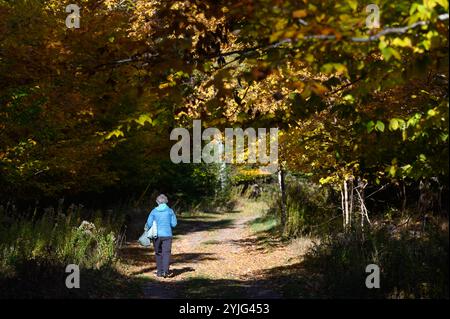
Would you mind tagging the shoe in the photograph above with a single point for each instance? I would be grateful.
(168, 274)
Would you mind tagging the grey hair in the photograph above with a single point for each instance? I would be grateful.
(162, 199)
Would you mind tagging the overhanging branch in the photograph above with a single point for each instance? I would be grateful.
(375, 37)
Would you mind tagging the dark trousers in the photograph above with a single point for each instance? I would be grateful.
(163, 247)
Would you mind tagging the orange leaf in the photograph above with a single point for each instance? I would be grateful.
(299, 14)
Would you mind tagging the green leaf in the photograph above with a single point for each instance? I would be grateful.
(413, 120)
(337, 68)
(392, 170)
(370, 126)
(349, 98)
(413, 8)
(309, 58)
(389, 52)
(406, 169)
(143, 118)
(379, 126)
(401, 123)
(353, 4)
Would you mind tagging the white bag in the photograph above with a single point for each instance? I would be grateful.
(148, 235)
(152, 233)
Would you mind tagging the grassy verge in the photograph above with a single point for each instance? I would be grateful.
(34, 253)
(264, 224)
(411, 265)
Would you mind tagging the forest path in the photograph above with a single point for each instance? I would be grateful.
(216, 255)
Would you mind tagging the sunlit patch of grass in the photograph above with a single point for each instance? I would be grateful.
(263, 224)
(247, 207)
(303, 244)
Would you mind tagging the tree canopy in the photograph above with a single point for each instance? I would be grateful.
(349, 100)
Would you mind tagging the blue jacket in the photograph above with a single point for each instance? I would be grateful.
(165, 220)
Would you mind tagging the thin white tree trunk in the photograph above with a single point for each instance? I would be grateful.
(343, 207)
(363, 208)
(350, 211)
(282, 186)
(346, 204)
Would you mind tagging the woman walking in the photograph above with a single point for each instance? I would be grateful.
(165, 220)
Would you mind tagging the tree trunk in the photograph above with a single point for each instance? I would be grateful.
(282, 186)
(346, 205)
(360, 191)
(350, 210)
(361, 187)
(343, 207)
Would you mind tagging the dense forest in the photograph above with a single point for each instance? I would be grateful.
(358, 93)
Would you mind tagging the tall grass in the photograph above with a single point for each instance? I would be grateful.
(308, 207)
(44, 243)
(411, 265)
(413, 259)
(57, 237)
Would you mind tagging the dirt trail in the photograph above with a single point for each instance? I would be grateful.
(214, 255)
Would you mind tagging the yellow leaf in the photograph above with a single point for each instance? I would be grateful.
(432, 112)
(393, 124)
(276, 36)
(281, 24)
(353, 4)
(143, 118)
(406, 42)
(116, 133)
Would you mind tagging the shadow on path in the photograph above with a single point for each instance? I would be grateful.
(191, 225)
